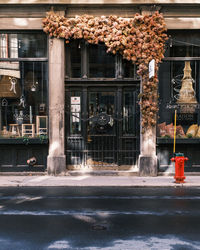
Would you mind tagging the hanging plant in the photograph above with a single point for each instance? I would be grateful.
(139, 39)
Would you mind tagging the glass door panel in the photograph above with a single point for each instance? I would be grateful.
(101, 111)
(75, 114)
(129, 113)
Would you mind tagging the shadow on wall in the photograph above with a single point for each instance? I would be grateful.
(20, 23)
(182, 23)
(117, 1)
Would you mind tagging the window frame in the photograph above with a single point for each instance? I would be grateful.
(119, 71)
(172, 60)
(33, 60)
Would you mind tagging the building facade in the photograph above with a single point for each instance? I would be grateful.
(75, 107)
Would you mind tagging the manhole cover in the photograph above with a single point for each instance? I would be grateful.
(99, 227)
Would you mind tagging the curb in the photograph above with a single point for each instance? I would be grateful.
(23, 173)
(96, 173)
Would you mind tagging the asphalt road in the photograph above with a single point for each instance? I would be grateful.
(99, 218)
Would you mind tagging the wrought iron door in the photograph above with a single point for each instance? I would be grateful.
(102, 126)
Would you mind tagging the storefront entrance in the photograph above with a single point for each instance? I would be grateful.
(102, 126)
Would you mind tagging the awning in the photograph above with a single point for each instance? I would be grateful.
(10, 69)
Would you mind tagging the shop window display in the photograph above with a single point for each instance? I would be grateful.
(23, 85)
(179, 87)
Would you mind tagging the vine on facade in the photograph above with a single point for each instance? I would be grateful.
(139, 39)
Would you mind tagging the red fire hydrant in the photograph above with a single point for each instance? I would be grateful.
(179, 167)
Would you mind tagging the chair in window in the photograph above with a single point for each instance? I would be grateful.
(41, 125)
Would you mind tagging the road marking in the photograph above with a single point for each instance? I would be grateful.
(26, 197)
(100, 213)
(138, 242)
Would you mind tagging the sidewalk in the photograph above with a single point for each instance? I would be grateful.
(96, 181)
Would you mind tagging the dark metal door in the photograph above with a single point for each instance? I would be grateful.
(102, 126)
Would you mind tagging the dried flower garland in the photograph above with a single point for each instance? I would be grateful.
(139, 39)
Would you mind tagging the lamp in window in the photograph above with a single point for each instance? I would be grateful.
(30, 83)
(187, 93)
(33, 87)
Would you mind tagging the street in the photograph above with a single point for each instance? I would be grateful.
(99, 218)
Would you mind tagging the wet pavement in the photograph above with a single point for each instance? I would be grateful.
(99, 218)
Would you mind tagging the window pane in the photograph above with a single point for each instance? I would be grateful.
(129, 114)
(74, 55)
(4, 45)
(23, 45)
(75, 114)
(184, 43)
(13, 45)
(32, 45)
(101, 64)
(129, 70)
(101, 112)
(23, 99)
(177, 75)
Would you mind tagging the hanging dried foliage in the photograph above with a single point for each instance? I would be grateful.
(139, 39)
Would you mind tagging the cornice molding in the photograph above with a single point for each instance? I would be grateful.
(104, 2)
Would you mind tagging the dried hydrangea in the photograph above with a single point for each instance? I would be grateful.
(139, 39)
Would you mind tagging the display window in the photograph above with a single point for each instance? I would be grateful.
(23, 85)
(179, 79)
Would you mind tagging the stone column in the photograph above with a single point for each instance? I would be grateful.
(56, 161)
(148, 162)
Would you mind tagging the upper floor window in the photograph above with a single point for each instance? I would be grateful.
(101, 64)
(183, 43)
(85, 60)
(23, 45)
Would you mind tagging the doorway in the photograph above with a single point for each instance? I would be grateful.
(102, 126)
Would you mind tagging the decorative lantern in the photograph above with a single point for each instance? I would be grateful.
(187, 97)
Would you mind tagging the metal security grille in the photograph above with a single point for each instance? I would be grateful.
(102, 126)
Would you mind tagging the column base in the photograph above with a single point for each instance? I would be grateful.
(56, 165)
(148, 165)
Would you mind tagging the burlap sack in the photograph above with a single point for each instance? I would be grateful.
(192, 130)
(162, 129)
(170, 130)
(198, 132)
(180, 132)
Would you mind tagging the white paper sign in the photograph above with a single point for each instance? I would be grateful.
(75, 117)
(75, 100)
(152, 68)
(75, 108)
